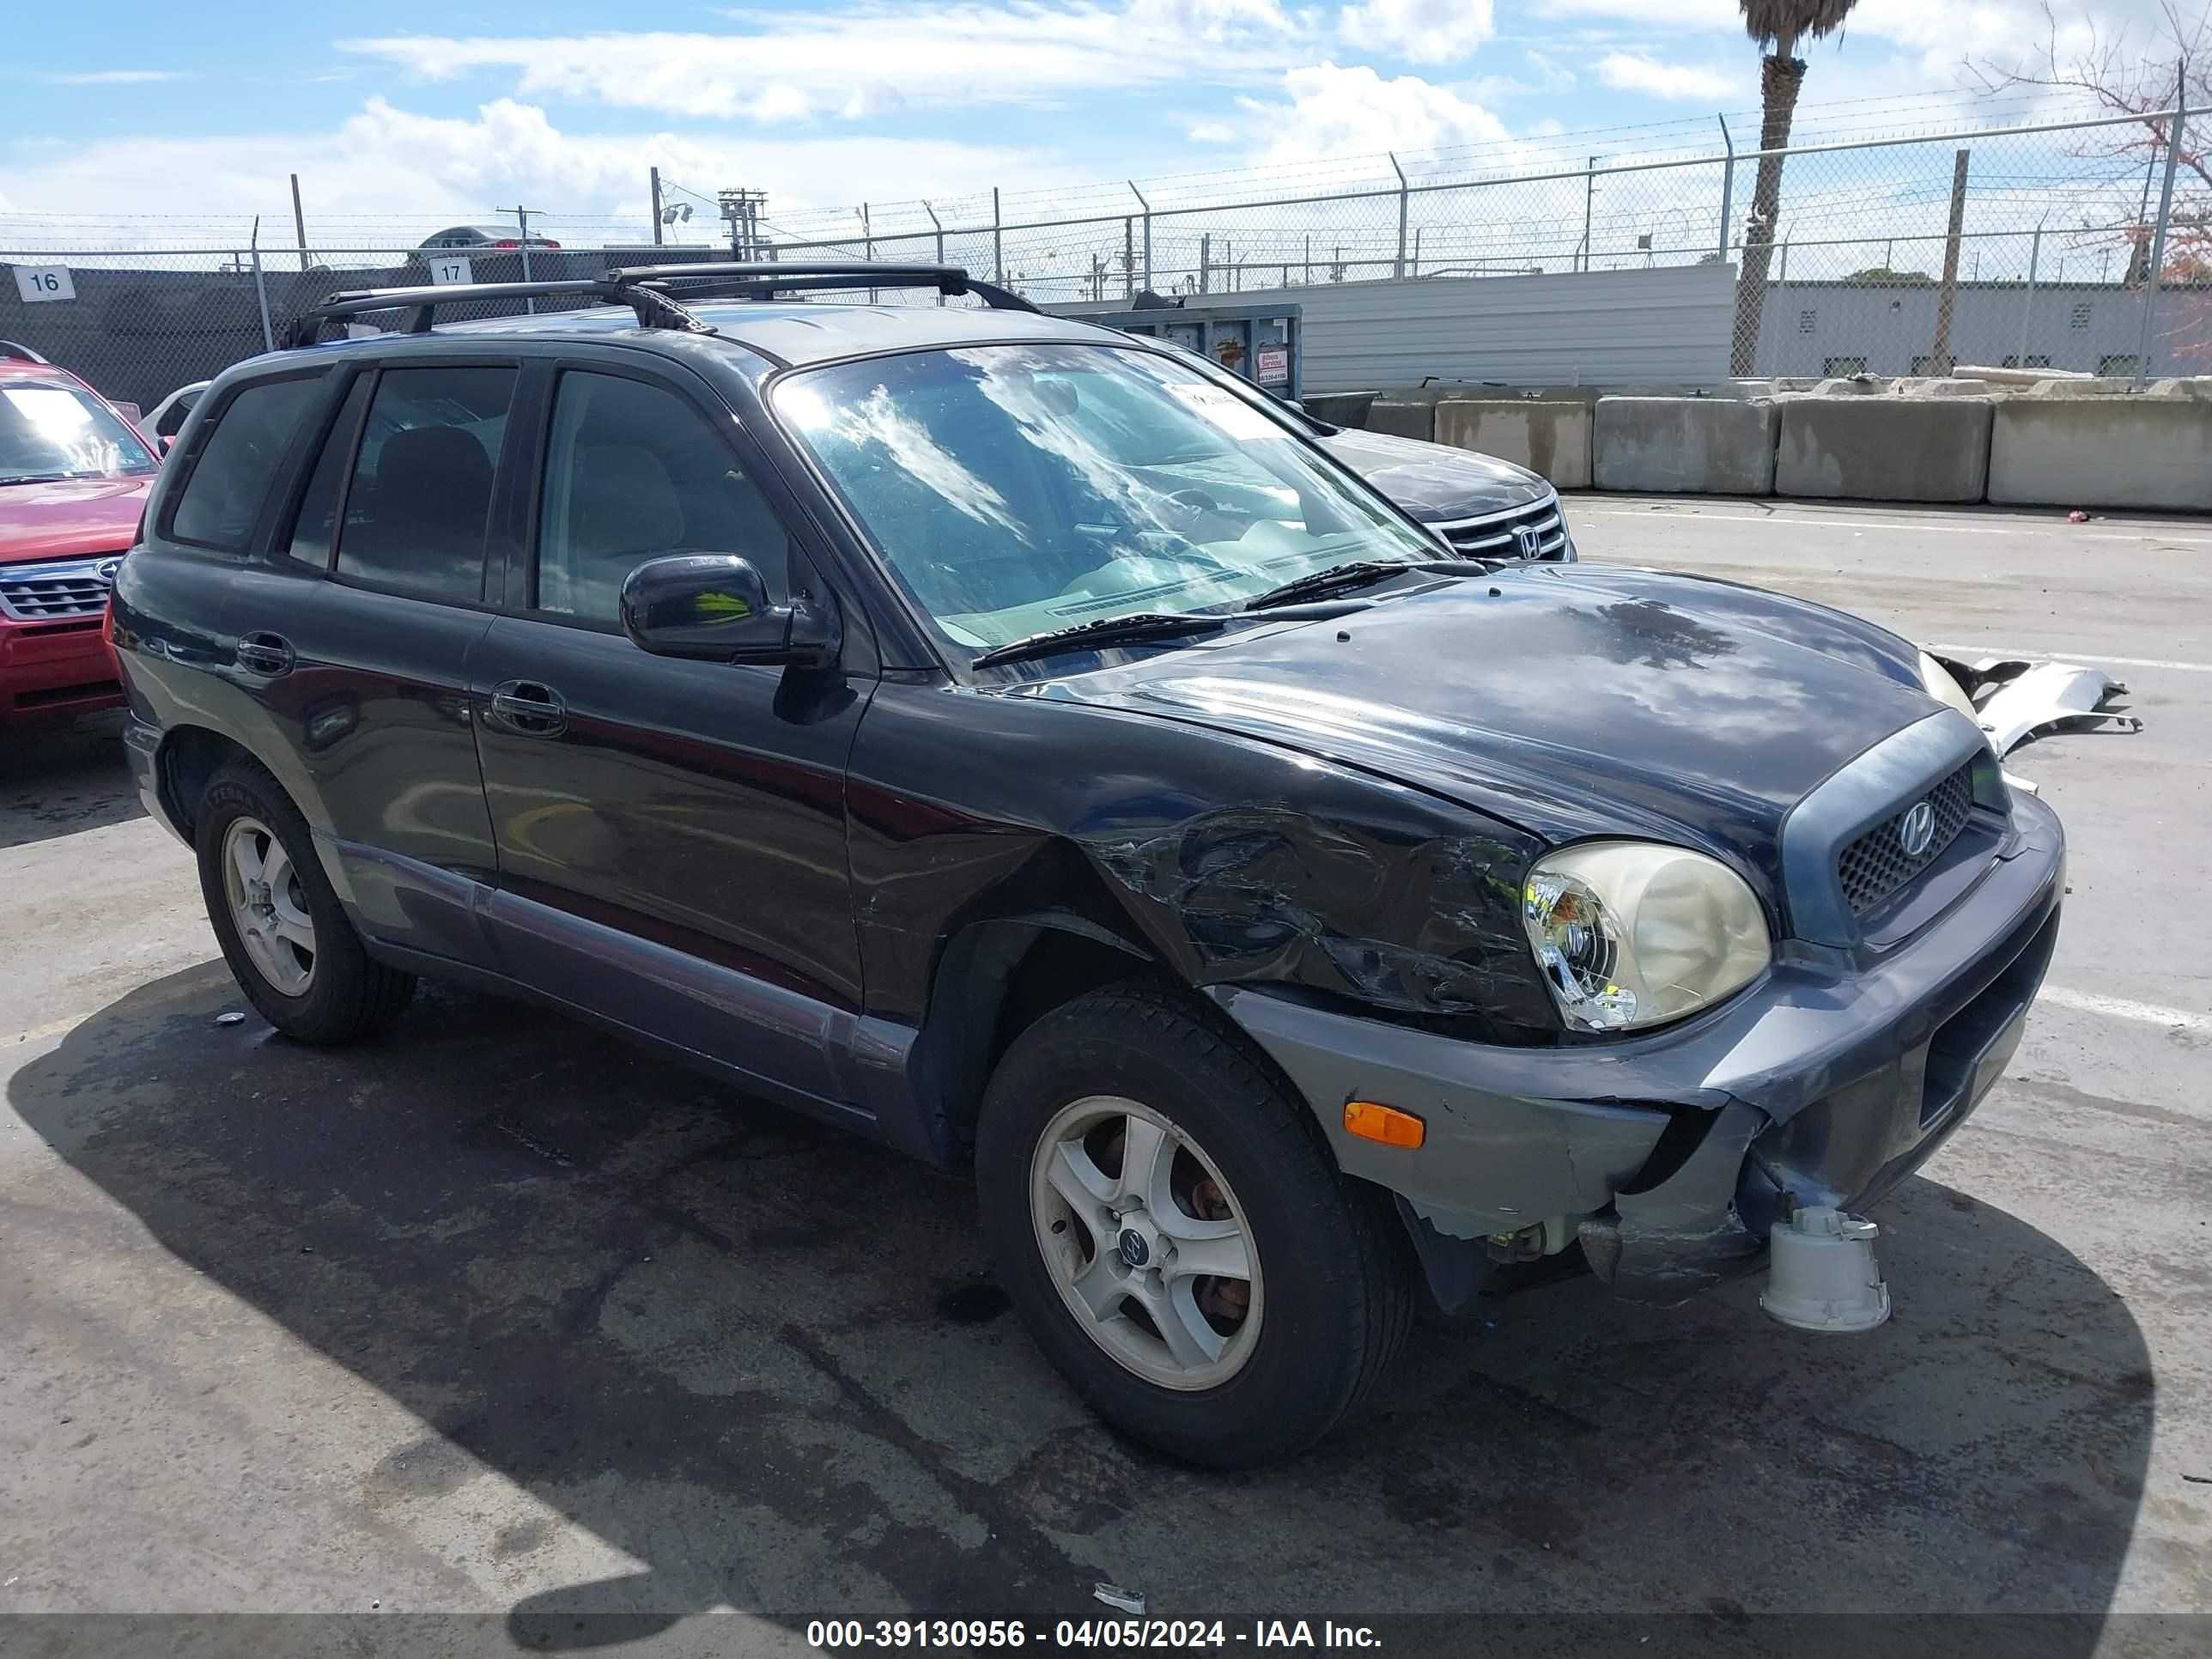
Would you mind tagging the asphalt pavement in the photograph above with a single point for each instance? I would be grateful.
(493, 1315)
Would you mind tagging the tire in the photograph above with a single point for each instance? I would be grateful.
(330, 993)
(1330, 1285)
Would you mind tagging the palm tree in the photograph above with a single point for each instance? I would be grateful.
(1780, 25)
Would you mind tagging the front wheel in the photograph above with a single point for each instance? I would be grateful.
(1175, 1236)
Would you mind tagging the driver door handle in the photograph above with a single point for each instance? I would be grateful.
(529, 708)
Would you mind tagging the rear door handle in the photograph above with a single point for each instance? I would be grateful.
(266, 655)
(529, 708)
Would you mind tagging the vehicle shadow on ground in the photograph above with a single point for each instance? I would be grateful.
(763, 1359)
(56, 781)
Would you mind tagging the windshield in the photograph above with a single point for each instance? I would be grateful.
(48, 432)
(1016, 490)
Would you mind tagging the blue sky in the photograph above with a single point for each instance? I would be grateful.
(410, 111)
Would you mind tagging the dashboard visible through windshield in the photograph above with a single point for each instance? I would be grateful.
(49, 433)
(1023, 489)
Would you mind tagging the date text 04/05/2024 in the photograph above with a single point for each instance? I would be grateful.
(1070, 1634)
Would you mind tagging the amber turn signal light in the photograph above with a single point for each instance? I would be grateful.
(1372, 1121)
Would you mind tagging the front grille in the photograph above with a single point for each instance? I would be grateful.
(1498, 535)
(1876, 866)
(68, 587)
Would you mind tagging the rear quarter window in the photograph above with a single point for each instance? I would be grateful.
(238, 461)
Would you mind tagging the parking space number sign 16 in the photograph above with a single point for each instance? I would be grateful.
(36, 282)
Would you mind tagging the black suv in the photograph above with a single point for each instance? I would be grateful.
(989, 733)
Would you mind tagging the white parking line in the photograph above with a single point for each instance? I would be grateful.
(2092, 659)
(1939, 527)
(2147, 1013)
(1648, 515)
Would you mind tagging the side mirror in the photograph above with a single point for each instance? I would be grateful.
(714, 607)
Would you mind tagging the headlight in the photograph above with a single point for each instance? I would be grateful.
(1937, 681)
(1630, 933)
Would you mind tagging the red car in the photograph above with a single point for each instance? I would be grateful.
(74, 477)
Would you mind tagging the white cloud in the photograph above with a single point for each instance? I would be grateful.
(114, 77)
(1419, 31)
(1626, 71)
(1668, 15)
(863, 60)
(436, 170)
(1210, 132)
(1345, 111)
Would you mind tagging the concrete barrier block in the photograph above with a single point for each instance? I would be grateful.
(1883, 449)
(1695, 445)
(2103, 452)
(1402, 419)
(1551, 436)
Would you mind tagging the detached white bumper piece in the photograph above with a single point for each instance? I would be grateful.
(1823, 1276)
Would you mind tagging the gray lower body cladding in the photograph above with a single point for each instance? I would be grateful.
(1832, 1080)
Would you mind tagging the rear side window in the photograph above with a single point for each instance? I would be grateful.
(420, 496)
(238, 461)
(173, 417)
(316, 528)
(634, 472)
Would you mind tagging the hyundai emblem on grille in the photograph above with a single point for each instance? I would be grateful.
(1917, 829)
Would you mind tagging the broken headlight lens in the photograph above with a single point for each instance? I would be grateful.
(1631, 933)
(1942, 685)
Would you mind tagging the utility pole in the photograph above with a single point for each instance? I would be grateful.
(656, 206)
(742, 209)
(1589, 188)
(522, 218)
(299, 222)
(2173, 132)
(1946, 297)
(1405, 205)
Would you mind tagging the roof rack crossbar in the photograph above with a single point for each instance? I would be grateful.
(654, 308)
(764, 280)
(654, 291)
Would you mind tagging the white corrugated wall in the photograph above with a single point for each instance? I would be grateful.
(1662, 326)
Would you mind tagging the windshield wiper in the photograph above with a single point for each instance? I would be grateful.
(1338, 578)
(42, 477)
(1360, 573)
(1107, 631)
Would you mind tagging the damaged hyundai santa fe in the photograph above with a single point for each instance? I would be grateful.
(993, 736)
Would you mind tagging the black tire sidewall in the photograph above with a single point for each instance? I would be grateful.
(1305, 1221)
(331, 1006)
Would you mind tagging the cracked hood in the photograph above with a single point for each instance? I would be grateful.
(1435, 483)
(1572, 701)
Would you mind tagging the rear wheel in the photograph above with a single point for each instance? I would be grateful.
(285, 937)
(1175, 1236)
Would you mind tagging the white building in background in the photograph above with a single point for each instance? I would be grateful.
(1848, 328)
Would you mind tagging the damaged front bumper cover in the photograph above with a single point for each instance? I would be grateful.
(1830, 1080)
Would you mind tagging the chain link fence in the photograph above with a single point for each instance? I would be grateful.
(2081, 246)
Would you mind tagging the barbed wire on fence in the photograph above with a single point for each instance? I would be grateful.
(2002, 219)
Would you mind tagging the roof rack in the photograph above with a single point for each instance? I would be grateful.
(11, 349)
(653, 291)
(758, 280)
(654, 309)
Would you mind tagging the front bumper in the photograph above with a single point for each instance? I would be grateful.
(1832, 1078)
(55, 669)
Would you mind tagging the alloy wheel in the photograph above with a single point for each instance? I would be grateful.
(1145, 1243)
(268, 906)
